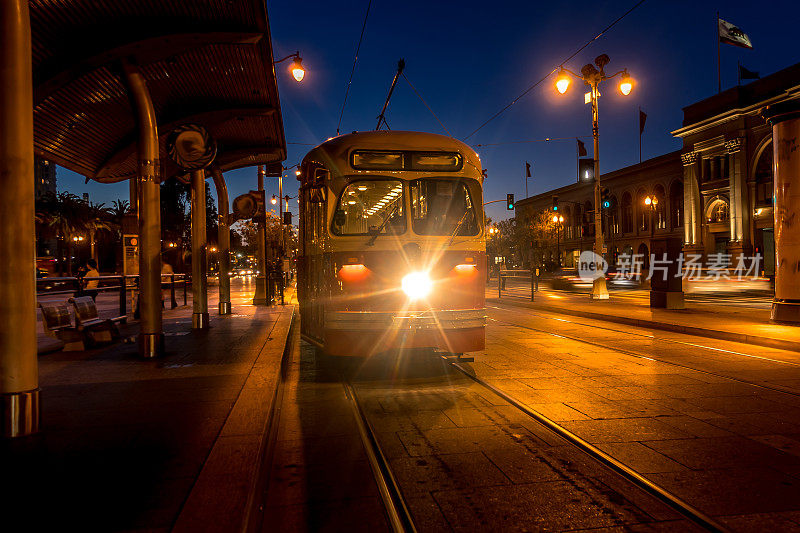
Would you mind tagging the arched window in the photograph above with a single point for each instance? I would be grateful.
(613, 215)
(763, 175)
(718, 211)
(627, 213)
(676, 204)
(660, 216)
(642, 211)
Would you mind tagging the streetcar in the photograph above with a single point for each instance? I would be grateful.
(392, 251)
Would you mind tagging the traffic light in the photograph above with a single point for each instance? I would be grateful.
(605, 198)
(555, 202)
(510, 202)
(585, 169)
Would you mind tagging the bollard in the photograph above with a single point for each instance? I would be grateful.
(533, 282)
(173, 303)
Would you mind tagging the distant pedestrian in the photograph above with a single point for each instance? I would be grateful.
(91, 279)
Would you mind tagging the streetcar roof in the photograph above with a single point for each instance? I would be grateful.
(335, 151)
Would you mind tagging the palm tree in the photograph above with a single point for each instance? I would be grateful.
(97, 219)
(64, 214)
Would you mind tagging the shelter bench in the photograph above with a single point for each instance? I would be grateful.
(57, 324)
(88, 321)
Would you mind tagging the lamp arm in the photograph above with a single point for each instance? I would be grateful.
(565, 69)
(296, 54)
(623, 71)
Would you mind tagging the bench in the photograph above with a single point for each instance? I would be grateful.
(88, 321)
(57, 324)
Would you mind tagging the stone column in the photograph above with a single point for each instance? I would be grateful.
(19, 368)
(199, 241)
(692, 242)
(784, 118)
(737, 195)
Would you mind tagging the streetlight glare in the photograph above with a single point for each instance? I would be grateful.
(648, 201)
(297, 69)
(626, 84)
(562, 82)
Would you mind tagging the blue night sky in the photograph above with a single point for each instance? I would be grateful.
(468, 59)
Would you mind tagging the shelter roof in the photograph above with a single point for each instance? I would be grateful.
(208, 62)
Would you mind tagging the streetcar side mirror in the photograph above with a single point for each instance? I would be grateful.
(339, 218)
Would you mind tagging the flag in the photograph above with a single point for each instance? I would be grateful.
(730, 34)
(745, 74)
(527, 169)
(642, 120)
(581, 148)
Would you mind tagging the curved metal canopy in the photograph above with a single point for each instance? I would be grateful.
(208, 62)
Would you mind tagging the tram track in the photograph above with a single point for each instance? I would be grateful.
(398, 513)
(682, 507)
(651, 357)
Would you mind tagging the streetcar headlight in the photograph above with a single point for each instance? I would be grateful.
(417, 285)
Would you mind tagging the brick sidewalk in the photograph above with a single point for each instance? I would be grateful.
(129, 444)
(739, 324)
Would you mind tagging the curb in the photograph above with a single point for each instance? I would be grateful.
(766, 342)
(224, 491)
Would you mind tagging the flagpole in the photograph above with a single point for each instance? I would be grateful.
(640, 133)
(719, 67)
(526, 180)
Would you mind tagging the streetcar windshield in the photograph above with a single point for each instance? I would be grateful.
(442, 207)
(370, 207)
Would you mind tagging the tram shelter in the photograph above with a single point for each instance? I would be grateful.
(96, 87)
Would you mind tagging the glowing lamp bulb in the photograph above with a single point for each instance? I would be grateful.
(417, 285)
(297, 69)
(626, 85)
(562, 83)
(274, 200)
(648, 201)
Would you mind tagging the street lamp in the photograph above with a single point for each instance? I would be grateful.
(592, 77)
(558, 220)
(652, 203)
(297, 65)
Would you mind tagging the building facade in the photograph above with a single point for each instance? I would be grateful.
(727, 159)
(716, 194)
(44, 174)
(628, 222)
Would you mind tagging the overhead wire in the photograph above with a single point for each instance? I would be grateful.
(352, 71)
(426, 105)
(546, 139)
(579, 50)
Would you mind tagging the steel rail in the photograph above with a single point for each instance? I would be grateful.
(775, 388)
(396, 509)
(683, 508)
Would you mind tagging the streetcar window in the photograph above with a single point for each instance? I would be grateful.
(370, 206)
(376, 160)
(442, 207)
(436, 161)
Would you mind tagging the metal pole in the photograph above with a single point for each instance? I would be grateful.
(599, 290)
(184, 289)
(19, 369)
(224, 243)
(199, 282)
(719, 63)
(123, 307)
(151, 336)
(260, 296)
(173, 303)
(533, 280)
